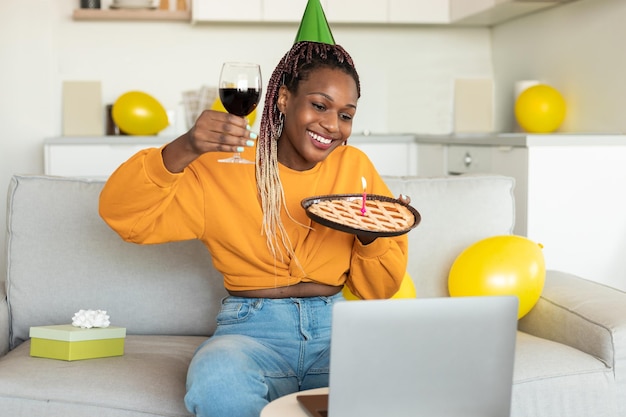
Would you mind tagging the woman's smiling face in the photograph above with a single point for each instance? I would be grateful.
(318, 117)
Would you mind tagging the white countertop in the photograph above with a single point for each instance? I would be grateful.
(108, 140)
(525, 139)
(498, 139)
(141, 140)
(480, 139)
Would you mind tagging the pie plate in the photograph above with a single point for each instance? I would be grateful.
(307, 203)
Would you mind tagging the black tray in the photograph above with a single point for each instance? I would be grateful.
(307, 202)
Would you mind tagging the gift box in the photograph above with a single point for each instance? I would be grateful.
(73, 343)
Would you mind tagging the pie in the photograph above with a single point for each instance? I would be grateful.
(380, 215)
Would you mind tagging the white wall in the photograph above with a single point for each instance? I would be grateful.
(407, 72)
(579, 49)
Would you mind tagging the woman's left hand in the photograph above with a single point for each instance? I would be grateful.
(365, 240)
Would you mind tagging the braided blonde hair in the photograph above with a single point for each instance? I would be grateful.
(297, 64)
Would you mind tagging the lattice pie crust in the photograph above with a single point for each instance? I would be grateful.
(380, 216)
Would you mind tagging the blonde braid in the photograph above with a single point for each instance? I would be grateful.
(268, 181)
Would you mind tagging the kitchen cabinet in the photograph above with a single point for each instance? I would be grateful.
(390, 154)
(227, 11)
(356, 11)
(284, 10)
(418, 12)
(93, 157)
(491, 12)
(506, 160)
(337, 11)
(568, 193)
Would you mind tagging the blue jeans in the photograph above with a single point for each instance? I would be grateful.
(262, 349)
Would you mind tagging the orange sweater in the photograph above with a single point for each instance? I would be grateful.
(218, 204)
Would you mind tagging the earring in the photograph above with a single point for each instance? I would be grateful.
(279, 128)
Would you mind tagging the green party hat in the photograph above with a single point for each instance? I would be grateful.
(314, 27)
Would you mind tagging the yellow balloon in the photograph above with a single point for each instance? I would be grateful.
(406, 290)
(138, 113)
(540, 109)
(500, 265)
(218, 106)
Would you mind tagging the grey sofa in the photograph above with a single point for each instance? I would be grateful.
(571, 349)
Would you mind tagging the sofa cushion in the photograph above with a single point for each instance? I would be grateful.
(149, 380)
(554, 379)
(62, 257)
(456, 212)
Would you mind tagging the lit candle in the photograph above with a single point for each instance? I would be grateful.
(364, 196)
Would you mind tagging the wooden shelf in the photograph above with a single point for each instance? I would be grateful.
(131, 14)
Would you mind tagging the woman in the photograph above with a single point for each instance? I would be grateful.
(282, 271)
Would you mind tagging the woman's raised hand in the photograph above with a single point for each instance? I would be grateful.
(214, 131)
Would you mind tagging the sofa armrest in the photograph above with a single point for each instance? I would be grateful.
(4, 321)
(586, 315)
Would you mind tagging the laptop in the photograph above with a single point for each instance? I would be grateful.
(434, 357)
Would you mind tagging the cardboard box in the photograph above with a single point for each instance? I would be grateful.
(70, 343)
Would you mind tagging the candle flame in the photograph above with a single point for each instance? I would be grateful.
(364, 183)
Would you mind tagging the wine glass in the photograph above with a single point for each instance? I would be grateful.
(240, 92)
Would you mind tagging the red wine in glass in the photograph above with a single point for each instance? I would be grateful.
(239, 102)
(240, 91)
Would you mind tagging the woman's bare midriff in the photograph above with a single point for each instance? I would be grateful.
(300, 290)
